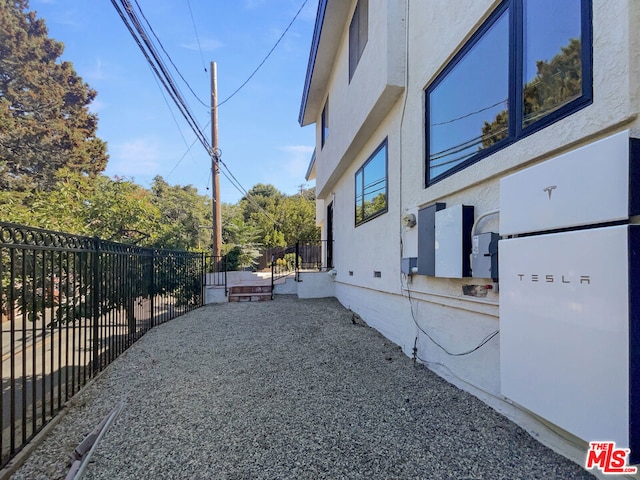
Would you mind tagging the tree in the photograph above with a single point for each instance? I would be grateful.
(246, 238)
(45, 123)
(298, 220)
(122, 211)
(183, 214)
(260, 196)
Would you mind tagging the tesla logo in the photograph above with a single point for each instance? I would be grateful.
(550, 190)
(582, 279)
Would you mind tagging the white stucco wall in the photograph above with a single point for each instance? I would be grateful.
(436, 32)
(356, 106)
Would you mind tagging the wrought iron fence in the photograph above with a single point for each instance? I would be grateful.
(291, 260)
(215, 269)
(301, 256)
(70, 305)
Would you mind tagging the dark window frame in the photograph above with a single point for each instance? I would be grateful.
(384, 145)
(324, 124)
(516, 47)
(358, 28)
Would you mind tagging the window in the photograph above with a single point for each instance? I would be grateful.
(528, 66)
(358, 34)
(324, 133)
(371, 186)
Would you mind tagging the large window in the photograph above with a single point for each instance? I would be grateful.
(528, 66)
(371, 186)
(358, 34)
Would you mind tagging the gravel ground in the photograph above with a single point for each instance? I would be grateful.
(286, 389)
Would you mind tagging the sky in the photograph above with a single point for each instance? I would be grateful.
(258, 131)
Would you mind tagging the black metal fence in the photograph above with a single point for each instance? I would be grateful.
(301, 256)
(70, 305)
(216, 271)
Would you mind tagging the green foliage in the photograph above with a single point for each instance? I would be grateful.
(231, 259)
(246, 238)
(183, 213)
(45, 123)
(288, 261)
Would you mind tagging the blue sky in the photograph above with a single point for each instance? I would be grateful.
(259, 135)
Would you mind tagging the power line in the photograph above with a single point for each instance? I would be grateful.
(193, 22)
(265, 58)
(148, 49)
(169, 56)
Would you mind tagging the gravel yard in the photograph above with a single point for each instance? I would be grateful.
(289, 389)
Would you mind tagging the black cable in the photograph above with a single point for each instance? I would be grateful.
(484, 341)
(265, 58)
(169, 56)
(193, 22)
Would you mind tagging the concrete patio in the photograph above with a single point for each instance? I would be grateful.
(286, 389)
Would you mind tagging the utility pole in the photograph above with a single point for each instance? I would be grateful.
(216, 231)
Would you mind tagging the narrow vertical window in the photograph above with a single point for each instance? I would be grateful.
(324, 134)
(358, 34)
(371, 186)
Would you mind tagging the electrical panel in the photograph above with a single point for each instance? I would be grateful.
(453, 241)
(408, 264)
(484, 255)
(427, 238)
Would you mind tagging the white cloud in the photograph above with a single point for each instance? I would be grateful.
(251, 4)
(297, 160)
(96, 72)
(138, 156)
(206, 45)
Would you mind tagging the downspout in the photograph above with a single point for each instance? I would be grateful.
(404, 108)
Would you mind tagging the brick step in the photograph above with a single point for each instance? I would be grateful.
(250, 293)
(250, 289)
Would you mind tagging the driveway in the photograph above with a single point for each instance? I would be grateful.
(289, 389)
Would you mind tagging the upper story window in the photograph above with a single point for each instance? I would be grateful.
(371, 186)
(358, 34)
(528, 66)
(324, 127)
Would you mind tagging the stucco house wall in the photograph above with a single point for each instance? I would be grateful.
(409, 44)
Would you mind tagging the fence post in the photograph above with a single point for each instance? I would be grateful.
(152, 288)
(273, 261)
(95, 297)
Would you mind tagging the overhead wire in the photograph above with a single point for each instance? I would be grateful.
(265, 58)
(169, 56)
(147, 48)
(193, 22)
(149, 51)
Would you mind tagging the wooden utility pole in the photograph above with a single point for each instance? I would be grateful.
(216, 232)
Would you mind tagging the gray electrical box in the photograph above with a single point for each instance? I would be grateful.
(484, 256)
(427, 238)
(408, 263)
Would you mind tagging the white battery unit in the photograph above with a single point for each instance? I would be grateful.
(587, 186)
(453, 241)
(567, 320)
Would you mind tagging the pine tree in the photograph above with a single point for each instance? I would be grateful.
(45, 123)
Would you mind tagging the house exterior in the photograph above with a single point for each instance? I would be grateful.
(476, 176)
